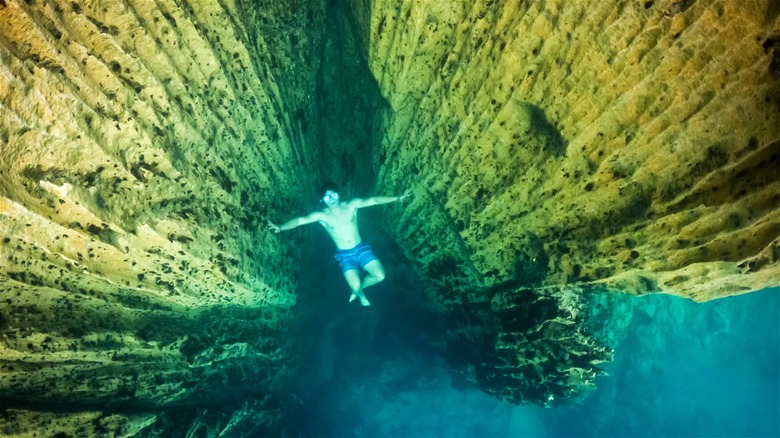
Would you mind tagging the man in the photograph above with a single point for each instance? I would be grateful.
(340, 221)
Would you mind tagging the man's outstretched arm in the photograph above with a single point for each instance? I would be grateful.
(293, 223)
(378, 200)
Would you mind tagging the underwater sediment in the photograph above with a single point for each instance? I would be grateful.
(554, 150)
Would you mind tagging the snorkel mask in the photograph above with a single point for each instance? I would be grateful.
(330, 198)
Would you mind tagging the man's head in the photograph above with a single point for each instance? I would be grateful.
(329, 194)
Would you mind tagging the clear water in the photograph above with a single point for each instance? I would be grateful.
(681, 369)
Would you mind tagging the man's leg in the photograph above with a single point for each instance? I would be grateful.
(353, 280)
(376, 273)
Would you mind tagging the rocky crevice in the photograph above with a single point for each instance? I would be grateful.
(554, 149)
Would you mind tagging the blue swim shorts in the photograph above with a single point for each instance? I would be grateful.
(352, 258)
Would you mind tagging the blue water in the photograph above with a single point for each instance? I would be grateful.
(681, 369)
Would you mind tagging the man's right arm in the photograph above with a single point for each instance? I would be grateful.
(293, 223)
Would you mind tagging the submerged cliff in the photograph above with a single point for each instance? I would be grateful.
(630, 145)
(554, 150)
(143, 147)
(608, 147)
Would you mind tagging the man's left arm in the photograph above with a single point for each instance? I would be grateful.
(379, 200)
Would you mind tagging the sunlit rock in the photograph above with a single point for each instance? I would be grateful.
(143, 146)
(627, 146)
(631, 144)
(554, 149)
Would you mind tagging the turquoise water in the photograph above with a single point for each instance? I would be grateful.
(681, 369)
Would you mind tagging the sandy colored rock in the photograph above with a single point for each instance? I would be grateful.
(631, 145)
(142, 147)
(552, 148)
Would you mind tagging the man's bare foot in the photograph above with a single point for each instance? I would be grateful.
(363, 300)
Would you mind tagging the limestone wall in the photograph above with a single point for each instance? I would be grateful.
(633, 144)
(552, 147)
(143, 146)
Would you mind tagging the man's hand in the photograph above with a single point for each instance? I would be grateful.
(407, 194)
(273, 227)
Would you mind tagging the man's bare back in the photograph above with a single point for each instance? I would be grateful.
(340, 221)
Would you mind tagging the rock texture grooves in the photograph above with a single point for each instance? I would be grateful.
(633, 144)
(142, 147)
(555, 148)
(539, 352)
(621, 146)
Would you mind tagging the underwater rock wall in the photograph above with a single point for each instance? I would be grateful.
(631, 144)
(541, 351)
(529, 345)
(551, 146)
(624, 146)
(143, 145)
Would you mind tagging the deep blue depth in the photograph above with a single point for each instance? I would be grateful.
(681, 369)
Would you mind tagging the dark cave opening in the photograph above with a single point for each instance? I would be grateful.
(165, 349)
(335, 340)
(349, 106)
(332, 338)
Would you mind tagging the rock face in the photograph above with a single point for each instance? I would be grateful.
(539, 352)
(554, 149)
(630, 144)
(143, 148)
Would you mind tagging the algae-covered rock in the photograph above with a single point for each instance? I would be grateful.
(551, 147)
(636, 140)
(143, 147)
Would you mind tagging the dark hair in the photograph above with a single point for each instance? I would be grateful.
(328, 185)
